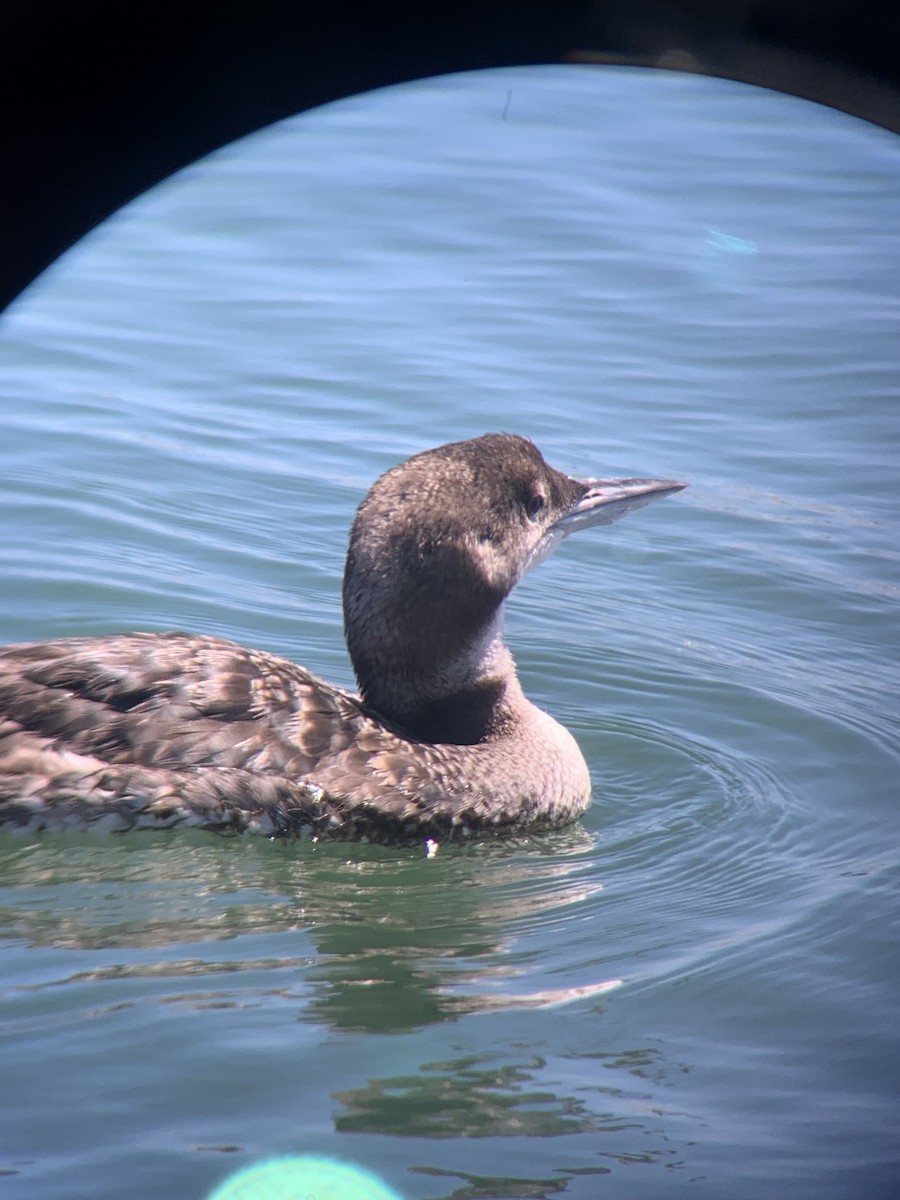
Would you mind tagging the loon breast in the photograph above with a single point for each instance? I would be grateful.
(154, 730)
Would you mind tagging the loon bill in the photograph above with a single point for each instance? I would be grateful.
(154, 730)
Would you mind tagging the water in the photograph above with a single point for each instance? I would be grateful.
(694, 992)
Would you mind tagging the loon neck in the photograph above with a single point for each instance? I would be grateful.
(471, 698)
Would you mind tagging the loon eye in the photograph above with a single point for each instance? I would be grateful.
(534, 505)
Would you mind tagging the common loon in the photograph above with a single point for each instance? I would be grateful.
(153, 730)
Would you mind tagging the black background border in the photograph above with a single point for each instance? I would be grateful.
(99, 101)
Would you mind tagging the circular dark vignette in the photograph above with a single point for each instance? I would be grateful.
(102, 100)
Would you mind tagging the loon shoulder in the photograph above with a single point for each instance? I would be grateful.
(152, 730)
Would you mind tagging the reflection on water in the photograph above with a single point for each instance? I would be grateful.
(387, 941)
(483, 1187)
(483, 1095)
(519, 1093)
(471, 1097)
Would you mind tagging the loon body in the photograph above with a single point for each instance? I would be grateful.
(152, 730)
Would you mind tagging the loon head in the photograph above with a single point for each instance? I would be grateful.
(436, 547)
